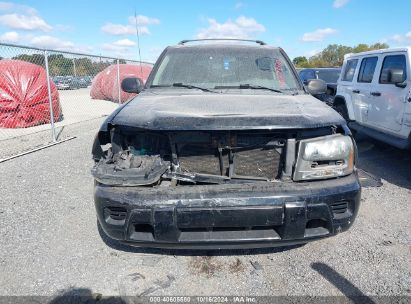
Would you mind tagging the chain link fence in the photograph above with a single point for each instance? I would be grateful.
(47, 90)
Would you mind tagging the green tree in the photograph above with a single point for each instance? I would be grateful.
(379, 46)
(333, 54)
(84, 66)
(35, 58)
(362, 47)
(60, 65)
(300, 61)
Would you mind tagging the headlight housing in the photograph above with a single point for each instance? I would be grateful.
(324, 157)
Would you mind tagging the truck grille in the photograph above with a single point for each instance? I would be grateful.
(236, 157)
(199, 159)
(339, 207)
(260, 162)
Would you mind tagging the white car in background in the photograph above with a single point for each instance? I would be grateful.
(374, 94)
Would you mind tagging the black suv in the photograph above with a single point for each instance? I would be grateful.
(224, 148)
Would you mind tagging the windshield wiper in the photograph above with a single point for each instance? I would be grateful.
(189, 86)
(258, 87)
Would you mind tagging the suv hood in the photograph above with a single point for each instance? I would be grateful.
(224, 112)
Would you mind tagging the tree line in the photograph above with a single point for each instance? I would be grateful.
(59, 65)
(333, 55)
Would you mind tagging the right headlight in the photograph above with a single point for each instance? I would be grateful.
(324, 157)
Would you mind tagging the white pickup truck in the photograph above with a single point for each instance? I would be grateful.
(374, 94)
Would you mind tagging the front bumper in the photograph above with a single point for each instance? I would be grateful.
(228, 216)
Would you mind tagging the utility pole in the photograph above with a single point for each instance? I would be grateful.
(138, 43)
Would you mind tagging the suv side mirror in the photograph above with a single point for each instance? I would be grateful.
(132, 85)
(401, 84)
(397, 77)
(316, 86)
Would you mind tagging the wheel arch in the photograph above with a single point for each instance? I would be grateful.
(346, 101)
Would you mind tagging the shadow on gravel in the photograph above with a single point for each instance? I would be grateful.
(83, 295)
(346, 287)
(187, 252)
(384, 161)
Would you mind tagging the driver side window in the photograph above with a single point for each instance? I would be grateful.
(393, 69)
(349, 71)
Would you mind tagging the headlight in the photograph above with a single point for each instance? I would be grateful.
(324, 157)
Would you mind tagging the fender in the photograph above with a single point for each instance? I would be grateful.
(346, 99)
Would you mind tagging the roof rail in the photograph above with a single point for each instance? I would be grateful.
(182, 42)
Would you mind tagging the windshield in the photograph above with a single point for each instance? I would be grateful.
(225, 67)
(329, 76)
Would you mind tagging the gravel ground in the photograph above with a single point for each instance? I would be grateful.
(50, 244)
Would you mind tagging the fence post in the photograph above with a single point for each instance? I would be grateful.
(74, 68)
(118, 81)
(53, 130)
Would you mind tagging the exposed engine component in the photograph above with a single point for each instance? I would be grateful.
(127, 169)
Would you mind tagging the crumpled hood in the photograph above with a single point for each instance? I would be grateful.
(224, 112)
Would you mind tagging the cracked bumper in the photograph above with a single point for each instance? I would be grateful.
(228, 216)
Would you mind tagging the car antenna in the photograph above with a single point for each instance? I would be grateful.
(138, 43)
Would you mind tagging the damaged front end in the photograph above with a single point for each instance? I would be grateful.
(127, 156)
(135, 157)
(223, 189)
(131, 160)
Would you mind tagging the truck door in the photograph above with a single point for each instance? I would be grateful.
(364, 86)
(388, 97)
(347, 86)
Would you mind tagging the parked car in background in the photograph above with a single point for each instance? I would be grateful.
(61, 82)
(329, 75)
(71, 82)
(88, 79)
(79, 82)
(229, 151)
(374, 94)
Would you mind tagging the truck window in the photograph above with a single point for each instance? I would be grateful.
(349, 71)
(329, 75)
(303, 75)
(367, 69)
(306, 75)
(393, 64)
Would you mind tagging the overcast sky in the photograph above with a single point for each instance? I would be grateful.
(109, 27)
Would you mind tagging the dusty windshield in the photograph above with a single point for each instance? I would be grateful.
(225, 67)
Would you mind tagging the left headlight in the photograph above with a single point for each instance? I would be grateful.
(324, 157)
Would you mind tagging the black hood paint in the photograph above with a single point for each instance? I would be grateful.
(239, 111)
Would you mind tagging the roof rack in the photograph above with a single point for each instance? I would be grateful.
(182, 42)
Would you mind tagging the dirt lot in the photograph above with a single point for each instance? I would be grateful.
(50, 244)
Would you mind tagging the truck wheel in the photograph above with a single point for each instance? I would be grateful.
(342, 110)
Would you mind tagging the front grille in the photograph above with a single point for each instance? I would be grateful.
(235, 156)
(340, 207)
(115, 215)
(259, 162)
(199, 159)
